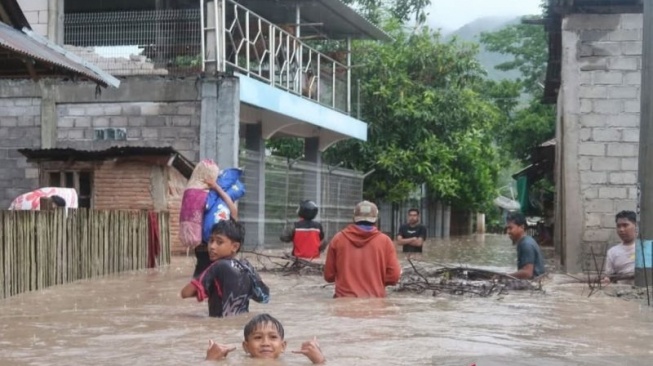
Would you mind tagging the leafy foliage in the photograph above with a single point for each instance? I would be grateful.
(427, 122)
(401, 10)
(533, 123)
(530, 127)
(527, 44)
(289, 147)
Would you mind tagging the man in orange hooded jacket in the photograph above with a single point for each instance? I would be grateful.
(361, 260)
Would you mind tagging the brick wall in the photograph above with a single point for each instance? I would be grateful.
(147, 124)
(603, 117)
(36, 12)
(123, 186)
(19, 128)
(128, 185)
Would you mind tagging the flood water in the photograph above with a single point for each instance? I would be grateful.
(139, 319)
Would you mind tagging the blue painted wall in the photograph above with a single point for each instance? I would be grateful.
(268, 97)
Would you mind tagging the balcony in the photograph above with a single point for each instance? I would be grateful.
(276, 54)
(306, 54)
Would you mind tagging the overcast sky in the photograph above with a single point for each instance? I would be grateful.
(453, 14)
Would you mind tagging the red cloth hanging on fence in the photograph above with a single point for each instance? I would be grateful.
(153, 240)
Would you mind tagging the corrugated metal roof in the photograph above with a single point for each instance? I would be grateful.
(31, 45)
(179, 162)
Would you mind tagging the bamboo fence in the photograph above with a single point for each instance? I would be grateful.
(39, 249)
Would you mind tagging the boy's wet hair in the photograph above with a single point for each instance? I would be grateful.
(516, 218)
(233, 230)
(260, 320)
(628, 215)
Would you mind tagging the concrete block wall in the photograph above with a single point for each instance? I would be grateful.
(20, 120)
(36, 12)
(601, 117)
(154, 112)
(160, 124)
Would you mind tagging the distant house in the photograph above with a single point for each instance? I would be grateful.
(119, 178)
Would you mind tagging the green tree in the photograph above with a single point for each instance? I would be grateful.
(528, 45)
(428, 124)
(401, 10)
(526, 125)
(529, 127)
(289, 147)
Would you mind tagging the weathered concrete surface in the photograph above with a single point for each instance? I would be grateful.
(20, 120)
(220, 121)
(598, 129)
(160, 124)
(53, 113)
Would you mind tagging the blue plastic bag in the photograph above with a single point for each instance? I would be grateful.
(216, 210)
(228, 177)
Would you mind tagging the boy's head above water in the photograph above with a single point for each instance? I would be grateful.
(226, 238)
(264, 337)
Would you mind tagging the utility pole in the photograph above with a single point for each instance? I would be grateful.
(644, 257)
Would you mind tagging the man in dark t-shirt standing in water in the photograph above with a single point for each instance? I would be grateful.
(530, 263)
(412, 234)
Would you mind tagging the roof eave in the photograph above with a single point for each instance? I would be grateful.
(16, 16)
(103, 78)
(357, 20)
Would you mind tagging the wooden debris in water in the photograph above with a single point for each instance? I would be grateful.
(438, 280)
(430, 279)
(285, 264)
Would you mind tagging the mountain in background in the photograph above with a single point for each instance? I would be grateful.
(471, 32)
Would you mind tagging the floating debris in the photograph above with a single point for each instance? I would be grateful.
(431, 279)
(627, 293)
(286, 264)
(440, 280)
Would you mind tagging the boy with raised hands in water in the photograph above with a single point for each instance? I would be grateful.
(264, 338)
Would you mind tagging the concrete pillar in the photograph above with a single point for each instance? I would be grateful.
(313, 180)
(480, 223)
(48, 116)
(55, 21)
(255, 143)
(438, 219)
(446, 221)
(220, 120)
(573, 217)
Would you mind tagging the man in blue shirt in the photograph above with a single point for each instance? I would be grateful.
(530, 263)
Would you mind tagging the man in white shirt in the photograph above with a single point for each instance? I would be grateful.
(620, 260)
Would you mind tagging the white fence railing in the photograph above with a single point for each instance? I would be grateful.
(236, 38)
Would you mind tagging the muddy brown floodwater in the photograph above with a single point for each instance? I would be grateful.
(139, 319)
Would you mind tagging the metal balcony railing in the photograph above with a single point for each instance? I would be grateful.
(219, 36)
(235, 38)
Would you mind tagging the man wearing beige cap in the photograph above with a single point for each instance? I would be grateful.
(361, 260)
